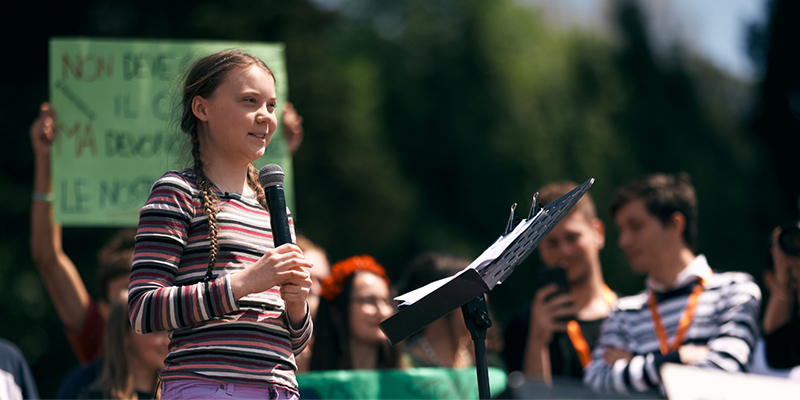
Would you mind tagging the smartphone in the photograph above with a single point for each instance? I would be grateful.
(557, 275)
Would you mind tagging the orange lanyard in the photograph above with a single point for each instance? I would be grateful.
(683, 324)
(576, 335)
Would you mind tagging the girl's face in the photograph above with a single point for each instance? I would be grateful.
(370, 303)
(238, 119)
(148, 351)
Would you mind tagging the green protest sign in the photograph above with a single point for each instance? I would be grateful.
(116, 101)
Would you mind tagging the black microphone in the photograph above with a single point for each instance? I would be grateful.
(271, 179)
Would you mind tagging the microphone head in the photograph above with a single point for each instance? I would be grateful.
(270, 174)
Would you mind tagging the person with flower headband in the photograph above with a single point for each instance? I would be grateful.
(356, 297)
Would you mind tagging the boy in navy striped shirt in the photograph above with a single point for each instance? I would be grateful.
(687, 314)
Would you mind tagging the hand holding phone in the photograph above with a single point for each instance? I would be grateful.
(555, 275)
(552, 306)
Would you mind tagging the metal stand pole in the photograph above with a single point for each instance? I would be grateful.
(476, 317)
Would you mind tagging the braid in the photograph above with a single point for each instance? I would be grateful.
(252, 180)
(201, 80)
(208, 197)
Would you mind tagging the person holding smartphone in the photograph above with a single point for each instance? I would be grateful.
(554, 334)
(781, 324)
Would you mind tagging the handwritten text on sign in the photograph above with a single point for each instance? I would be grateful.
(116, 102)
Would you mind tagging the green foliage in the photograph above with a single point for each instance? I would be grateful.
(480, 104)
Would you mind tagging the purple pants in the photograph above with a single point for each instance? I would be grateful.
(200, 389)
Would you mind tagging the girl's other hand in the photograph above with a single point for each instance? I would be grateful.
(294, 293)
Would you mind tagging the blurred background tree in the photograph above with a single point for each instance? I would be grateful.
(425, 120)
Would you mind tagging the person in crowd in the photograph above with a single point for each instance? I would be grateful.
(16, 380)
(318, 257)
(322, 270)
(554, 334)
(687, 314)
(83, 318)
(131, 361)
(760, 365)
(446, 342)
(781, 322)
(356, 298)
(205, 268)
(114, 264)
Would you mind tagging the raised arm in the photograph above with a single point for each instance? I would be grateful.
(546, 311)
(292, 128)
(61, 279)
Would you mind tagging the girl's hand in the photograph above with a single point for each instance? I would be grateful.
(294, 293)
(284, 264)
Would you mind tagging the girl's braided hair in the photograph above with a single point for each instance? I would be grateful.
(202, 79)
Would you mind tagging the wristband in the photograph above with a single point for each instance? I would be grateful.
(43, 197)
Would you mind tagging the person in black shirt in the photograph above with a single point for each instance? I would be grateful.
(554, 334)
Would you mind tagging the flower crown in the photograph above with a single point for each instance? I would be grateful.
(333, 285)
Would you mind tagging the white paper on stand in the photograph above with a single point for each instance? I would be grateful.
(486, 258)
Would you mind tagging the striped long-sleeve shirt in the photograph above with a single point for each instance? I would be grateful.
(212, 336)
(725, 320)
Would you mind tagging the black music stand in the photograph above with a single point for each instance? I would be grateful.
(466, 289)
